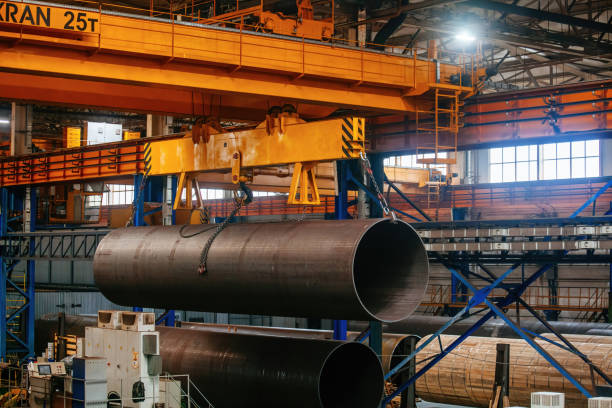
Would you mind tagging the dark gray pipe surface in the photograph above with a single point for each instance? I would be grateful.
(600, 332)
(426, 325)
(392, 346)
(349, 269)
(242, 370)
(245, 370)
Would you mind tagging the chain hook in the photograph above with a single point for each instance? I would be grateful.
(381, 198)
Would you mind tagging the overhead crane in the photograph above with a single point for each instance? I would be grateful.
(118, 47)
(282, 139)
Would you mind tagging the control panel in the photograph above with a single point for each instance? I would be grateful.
(46, 369)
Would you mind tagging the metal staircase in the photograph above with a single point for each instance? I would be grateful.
(439, 126)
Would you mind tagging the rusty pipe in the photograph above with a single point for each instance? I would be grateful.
(348, 269)
(243, 370)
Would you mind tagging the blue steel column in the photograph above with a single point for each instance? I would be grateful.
(341, 214)
(138, 201)
(31, 280)
(138, 212)
(3, 230)
(454, 285)
(378, 171)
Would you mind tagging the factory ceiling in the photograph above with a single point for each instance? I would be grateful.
(531, 43)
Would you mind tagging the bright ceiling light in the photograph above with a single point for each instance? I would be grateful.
(465, 37)
(4, 121)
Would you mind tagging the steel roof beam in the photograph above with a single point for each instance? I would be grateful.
(539, 14)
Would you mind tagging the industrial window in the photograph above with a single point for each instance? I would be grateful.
(211, 193)
(549, 161)
(265, 194)
(218, 194)
(515, 163)
(410, 161)
(118, 194)
(92, 207)
(569, 160)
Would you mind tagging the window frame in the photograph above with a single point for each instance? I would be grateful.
(544, 160)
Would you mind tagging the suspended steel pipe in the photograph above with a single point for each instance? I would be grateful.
(347, 269)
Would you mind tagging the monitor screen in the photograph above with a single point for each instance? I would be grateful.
(44, 369)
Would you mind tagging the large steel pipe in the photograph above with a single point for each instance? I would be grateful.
(241, 370)
(600, 332)
(350, 269)
(425, 325)
(392, 346)
(467, 374)
(392, 352)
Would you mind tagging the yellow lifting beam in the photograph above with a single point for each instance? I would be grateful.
(282, 140)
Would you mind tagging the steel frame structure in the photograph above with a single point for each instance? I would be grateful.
(17, 321)
(49, 245)
(497, 309)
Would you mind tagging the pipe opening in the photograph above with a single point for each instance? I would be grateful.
(390, 271)
(351, 377)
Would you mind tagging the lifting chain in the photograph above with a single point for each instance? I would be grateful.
(365, 162)
(239, 201)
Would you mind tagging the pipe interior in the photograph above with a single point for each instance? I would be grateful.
(390, 271)
(351, 377)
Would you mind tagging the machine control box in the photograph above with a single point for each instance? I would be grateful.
(46, 369)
